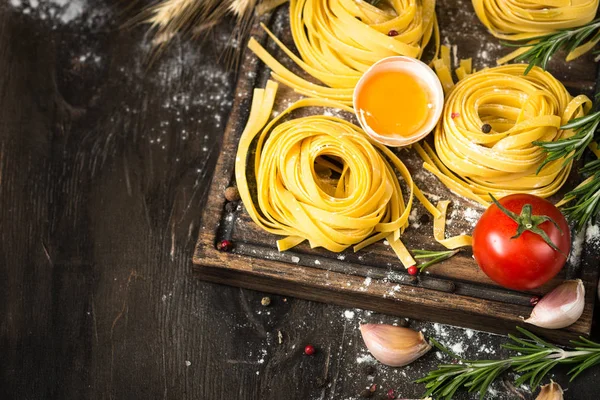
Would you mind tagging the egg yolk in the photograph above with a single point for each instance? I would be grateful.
(394, 103)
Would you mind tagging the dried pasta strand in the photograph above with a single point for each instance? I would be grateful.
(520, 110)
(338, 40)
(297, 198)
(439, 230)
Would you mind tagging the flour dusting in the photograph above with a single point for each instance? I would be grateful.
(61, 12)
(592, 234)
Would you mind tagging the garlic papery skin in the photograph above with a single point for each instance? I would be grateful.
(551, 391)
(559, 308)
(393, 345)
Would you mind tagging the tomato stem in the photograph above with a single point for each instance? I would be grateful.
(526, 221)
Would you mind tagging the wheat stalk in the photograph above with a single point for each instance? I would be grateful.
(197, 17)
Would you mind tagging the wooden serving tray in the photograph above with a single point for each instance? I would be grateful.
(454, 292)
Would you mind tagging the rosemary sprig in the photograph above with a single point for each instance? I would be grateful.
(436, 257)
(537, 357)
(587, 195)
(541, 48)
(572, 148)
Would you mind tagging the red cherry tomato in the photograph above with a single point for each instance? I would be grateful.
(528, 261)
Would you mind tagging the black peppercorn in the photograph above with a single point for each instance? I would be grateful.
(370, 370)
(486, 128)
(366, 394)
(424, 218)
(404, 322)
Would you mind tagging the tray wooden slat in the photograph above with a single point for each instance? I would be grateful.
(454, 292)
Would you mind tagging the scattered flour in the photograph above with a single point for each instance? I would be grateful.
(413, 215)
(56, 11)
(349, 314)
(365, 358)
(440, 330)
(577, 248)
(471, 215)
(592, 234)
(457, 348)
(469, 333)
(365, 284)
(295, 259)
(263, 355)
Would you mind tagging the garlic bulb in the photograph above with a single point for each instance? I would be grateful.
(393, 345)
(559, 308)
(551, 391)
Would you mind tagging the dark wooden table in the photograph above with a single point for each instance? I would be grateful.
(104, 165)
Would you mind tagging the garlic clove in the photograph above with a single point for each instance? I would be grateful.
(551, 391)
(559, 308)
(393, 345)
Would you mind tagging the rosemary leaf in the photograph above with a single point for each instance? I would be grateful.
(537, 358)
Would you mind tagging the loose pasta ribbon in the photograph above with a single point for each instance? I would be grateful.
(338, 40)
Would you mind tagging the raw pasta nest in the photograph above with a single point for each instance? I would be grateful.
(518, 20)
(322, 179)
(521, 109)
(338, 40)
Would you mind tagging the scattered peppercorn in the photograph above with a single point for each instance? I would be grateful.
(391, 394)
(232, 193)
(486, 128)
(370, 370)
(224, 245)
(309, 350)
(454, 115)
(366, 394)
(412, 270)
(265, 301)
(534, 300)
(393, 33)
(404, 322)
(424, 218)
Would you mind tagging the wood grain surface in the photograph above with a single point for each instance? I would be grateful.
(98, 224)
